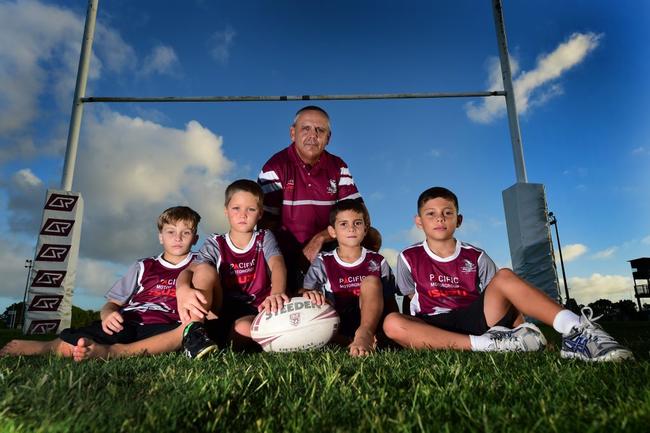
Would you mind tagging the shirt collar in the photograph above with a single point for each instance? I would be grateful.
(295, 158)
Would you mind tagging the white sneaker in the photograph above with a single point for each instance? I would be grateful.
(589, 342)
(524, 338)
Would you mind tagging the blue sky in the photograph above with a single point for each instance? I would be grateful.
(580, 71)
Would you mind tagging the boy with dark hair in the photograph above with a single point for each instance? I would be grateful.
(141, 306)
(243, 265)
(459, 300)
(358, 282)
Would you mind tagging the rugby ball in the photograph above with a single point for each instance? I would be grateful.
(299, 325)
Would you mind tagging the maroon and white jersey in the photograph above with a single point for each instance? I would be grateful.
(301, 195)
(148, 291)
(442, 284)
(244, 273)
(340, 282)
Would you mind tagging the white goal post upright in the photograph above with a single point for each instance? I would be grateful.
(524, 203)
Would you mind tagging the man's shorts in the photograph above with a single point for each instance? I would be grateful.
(130, 333)
(469, 320)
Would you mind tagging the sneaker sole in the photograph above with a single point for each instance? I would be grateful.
(540, 338)
(616, 355)
(206, 351)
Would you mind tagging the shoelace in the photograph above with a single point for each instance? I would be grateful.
(595, 330)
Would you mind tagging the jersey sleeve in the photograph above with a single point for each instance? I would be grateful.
(269, 181)
(486, 270)
(316, 277)
(347, 189)
(209, 252)
(126, 286)
(404, 277)
(270, 246)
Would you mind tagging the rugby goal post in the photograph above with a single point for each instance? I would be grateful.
(525, 206)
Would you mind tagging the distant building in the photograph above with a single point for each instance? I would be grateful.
(641, 276)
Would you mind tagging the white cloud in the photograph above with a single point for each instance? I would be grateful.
(221, 43)
(646, 240)
(572, 251)
(39, 55)
(598, 286)
(391, 256)
(535, 87)
(96, 277)
(129, 170)
(12, 268)
(436, 153)
(641, 150)
(606, 253)
(26, 193)
(162, 60)
(414, 234)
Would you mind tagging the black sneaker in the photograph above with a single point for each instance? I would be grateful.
(196, 343)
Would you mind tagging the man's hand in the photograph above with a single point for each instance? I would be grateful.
(190, 303)
(314, 246)
(112, 323)
(273, 302)
(314, 296)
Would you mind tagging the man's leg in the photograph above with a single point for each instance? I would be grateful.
(31, 347)
(371, 304)
(414, 333)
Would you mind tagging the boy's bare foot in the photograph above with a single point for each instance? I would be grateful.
(11, 349)
(363, 343)
(87, 348)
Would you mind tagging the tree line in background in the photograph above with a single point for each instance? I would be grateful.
(15, 314)
(610, 311)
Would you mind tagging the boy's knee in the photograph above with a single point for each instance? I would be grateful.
(392, 325)
(504, 274)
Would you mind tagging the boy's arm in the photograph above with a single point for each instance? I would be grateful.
(193, 301)
(111, 318)
(276, 299)
(314, 282)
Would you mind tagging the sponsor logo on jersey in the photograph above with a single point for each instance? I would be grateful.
(61, 202)
(57, 227)
(468, 267)
(373, 266)
(53, 253)
(48, 278)
(294, 319)
(332, 188)
(45, 303)
(43, 326)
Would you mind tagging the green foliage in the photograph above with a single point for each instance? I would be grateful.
(82, 317)
(392, 391)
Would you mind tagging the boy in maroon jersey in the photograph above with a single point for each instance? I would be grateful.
(358, 282)
(141, 306)
(459, 300)
(244, 266)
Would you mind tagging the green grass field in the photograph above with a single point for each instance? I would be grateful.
(393, 391)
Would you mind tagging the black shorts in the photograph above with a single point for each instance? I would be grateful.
(219, 329)
(469, 320)
(130, 333)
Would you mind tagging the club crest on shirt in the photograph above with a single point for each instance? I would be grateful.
(373, 266)
(289, 186)
(468, 267)
(332, 188)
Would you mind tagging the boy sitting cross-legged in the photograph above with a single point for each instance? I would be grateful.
(244, 265)
(140, 315)
(355, 280)
(460, 301)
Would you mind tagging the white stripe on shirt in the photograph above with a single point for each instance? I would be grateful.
(308, 202)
